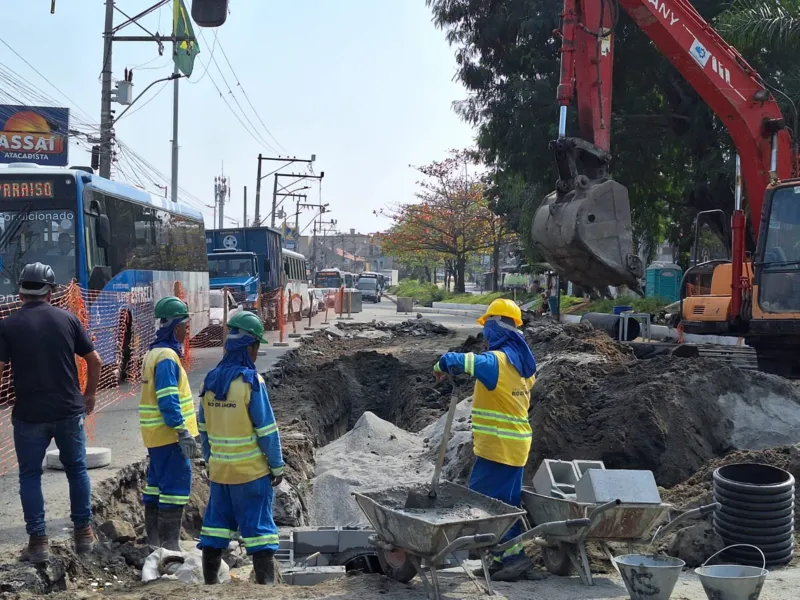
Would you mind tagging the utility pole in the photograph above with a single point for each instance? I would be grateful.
(244, 215)
(295, 177)
(105, 98)
(174, 182)
(259, 177)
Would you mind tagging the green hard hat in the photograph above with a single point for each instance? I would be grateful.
(247, 321)
(171, 307)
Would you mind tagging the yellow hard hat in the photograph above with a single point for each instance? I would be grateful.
(503, 307)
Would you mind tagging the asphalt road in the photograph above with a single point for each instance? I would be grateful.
(117, 428)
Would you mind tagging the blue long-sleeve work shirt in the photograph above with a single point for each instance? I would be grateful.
(264, 426)
(167, 374)
(484, 367)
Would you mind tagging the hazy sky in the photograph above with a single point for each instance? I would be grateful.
(365, 85)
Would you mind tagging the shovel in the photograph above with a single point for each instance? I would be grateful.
(422, 500)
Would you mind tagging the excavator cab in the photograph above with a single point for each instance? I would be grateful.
(777, 277)
(583, 229)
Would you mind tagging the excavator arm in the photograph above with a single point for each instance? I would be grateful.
(584, 229)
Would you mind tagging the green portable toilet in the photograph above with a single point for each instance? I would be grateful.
(663, 280)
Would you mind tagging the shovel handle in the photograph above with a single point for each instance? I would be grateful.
(451, 413)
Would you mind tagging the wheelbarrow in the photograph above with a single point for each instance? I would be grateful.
(413, 542)
(610, 522)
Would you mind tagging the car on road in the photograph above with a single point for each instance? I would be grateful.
(369, 288)
(212, 335)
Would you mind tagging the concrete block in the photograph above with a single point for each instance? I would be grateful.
(322, 539)
(581, 466)
(633, 487)
(405, 305)
(555, 475)
(311, 575)
(95, 458)
(354, 538)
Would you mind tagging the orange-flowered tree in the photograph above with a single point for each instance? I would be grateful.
(450, 219)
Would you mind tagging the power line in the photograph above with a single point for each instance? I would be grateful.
(236, 100)
(244, 92)
(208, 62)
(35, 70)
(140, 107)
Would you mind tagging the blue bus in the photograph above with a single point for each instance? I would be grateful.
(125, 246)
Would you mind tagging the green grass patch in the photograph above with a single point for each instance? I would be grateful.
(652, 306)
(424, 293)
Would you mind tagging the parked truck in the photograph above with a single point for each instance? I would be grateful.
(246, 260)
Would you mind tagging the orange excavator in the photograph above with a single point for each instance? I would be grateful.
(583, 229)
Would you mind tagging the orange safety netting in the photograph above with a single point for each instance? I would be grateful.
(121, 326)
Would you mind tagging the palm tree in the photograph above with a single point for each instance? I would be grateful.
(762, 25)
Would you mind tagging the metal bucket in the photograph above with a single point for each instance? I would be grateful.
(649, 577)
(732, 582)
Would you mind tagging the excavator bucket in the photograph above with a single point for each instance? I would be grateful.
(586, 236)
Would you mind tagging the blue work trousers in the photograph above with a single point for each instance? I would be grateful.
(169, 478)
(30, 442)
(243, 507)
(504, 483)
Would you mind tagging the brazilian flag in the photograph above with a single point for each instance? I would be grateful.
(185, 50)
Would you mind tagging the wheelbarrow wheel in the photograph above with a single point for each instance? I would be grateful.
(396, 564)
(556, 560)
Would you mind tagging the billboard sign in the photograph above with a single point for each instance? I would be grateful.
(34, 134)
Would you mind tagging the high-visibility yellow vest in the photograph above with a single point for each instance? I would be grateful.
(500, 428)
(236, 456)
(155, 432)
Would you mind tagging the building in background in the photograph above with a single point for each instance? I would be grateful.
(351, 251)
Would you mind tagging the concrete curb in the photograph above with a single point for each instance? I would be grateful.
(454, 306)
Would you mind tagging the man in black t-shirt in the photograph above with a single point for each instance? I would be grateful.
(41, 341)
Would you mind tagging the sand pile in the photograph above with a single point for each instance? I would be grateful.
(373, 454)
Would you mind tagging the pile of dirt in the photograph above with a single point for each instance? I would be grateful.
(594, 400)
(697, 489)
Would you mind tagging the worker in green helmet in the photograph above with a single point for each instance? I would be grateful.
(169, 426)
(242, 449)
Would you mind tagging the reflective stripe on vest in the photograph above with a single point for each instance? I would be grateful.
(501, 431)
(236, 456)
(155, 432)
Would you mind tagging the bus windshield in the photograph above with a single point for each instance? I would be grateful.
(242, 266)
(28, 236)
(328, 280)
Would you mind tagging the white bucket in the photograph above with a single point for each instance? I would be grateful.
(649, 577)
(732, 582)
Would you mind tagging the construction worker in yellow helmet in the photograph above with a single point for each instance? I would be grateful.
(501, 432)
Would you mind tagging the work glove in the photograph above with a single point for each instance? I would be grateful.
(437, 371)
(276, 480)
(187, 443)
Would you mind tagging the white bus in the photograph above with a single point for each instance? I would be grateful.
(298, 300)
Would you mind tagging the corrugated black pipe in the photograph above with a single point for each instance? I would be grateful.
(757, 508)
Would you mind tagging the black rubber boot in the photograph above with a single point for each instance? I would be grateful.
(264, 567)
(212, 560)
(169, 528)
(151, 525)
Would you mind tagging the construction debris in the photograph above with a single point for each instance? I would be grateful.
(358, 406)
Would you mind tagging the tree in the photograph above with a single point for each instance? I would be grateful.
(449, 220)
(670, 151)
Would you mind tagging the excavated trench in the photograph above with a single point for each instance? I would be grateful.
(318, 393)
(593, 399)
